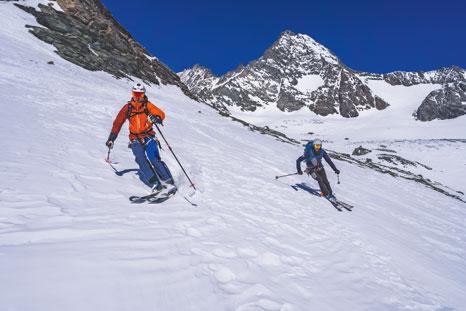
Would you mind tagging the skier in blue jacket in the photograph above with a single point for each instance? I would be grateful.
(313, 154)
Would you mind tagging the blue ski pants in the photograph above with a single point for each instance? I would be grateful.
(152, 168)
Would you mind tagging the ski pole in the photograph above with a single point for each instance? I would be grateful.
(277, 177)
(338, 176)
(174, 155)
(108, 155)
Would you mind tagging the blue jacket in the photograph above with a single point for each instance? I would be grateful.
(312, 154)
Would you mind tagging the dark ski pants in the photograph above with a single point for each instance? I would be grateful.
(147, 156)
(321, 178)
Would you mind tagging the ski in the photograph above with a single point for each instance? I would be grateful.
(345, 205)
(153, 198)
(339, 205)
(336, 205)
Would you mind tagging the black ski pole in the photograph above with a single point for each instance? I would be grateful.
(174, 155)
(277, 177)
(108, 155)
(338, 176)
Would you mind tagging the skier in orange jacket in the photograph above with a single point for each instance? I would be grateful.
(142, 114)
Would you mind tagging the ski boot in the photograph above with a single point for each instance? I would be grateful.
(331, 198)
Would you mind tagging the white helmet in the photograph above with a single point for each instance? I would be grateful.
(317, 144)
(139, 88)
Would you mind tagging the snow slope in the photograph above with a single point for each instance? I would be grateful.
(70, 240)
(439, 144)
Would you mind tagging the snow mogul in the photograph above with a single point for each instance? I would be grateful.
(142, 114)
(313, 154)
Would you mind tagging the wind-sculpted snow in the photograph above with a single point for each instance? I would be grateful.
(70, 239)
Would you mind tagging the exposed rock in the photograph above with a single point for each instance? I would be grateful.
(361, 151)
(86, 34)
(384, 149)
(441, 76)
(447, 103)
(395, 159)
(198, 78)
(295, 72)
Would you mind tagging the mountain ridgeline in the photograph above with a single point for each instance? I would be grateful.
(297, 72)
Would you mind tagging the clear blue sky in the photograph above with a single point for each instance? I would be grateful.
(375, 36)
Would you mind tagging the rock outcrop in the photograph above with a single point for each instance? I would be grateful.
(447, 103)
(359, 151)
(85, 33)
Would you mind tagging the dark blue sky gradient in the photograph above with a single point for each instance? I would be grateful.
(376, 36)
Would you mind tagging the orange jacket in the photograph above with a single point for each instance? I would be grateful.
(139, 125)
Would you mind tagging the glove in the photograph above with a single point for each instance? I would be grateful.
(155, 119)
(110, 140)
(300, 172)
(337, 171)
(109, 143)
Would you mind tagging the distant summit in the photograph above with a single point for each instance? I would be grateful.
(295, 72)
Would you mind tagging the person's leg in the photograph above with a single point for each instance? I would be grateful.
(317, 175)
(140, 156)
(326, 182)
(152, 152)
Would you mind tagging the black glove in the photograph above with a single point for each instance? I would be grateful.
(300, 172)
(337, 171)
(109, 144)
(110, 140)
(155, 119)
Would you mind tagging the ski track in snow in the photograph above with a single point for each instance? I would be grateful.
(70, 240)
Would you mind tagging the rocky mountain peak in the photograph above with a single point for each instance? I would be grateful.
(301, 44)
(294, 72)
(198, 71)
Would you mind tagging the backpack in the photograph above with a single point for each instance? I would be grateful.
(130, 114)
(308, 153)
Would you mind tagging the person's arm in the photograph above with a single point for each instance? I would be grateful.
(298, 164)
(329, 161)
(155, 111)
(117, 124)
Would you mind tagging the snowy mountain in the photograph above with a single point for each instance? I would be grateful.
(444, 103)
(70, 239)
(297, 72)
(85, 33)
